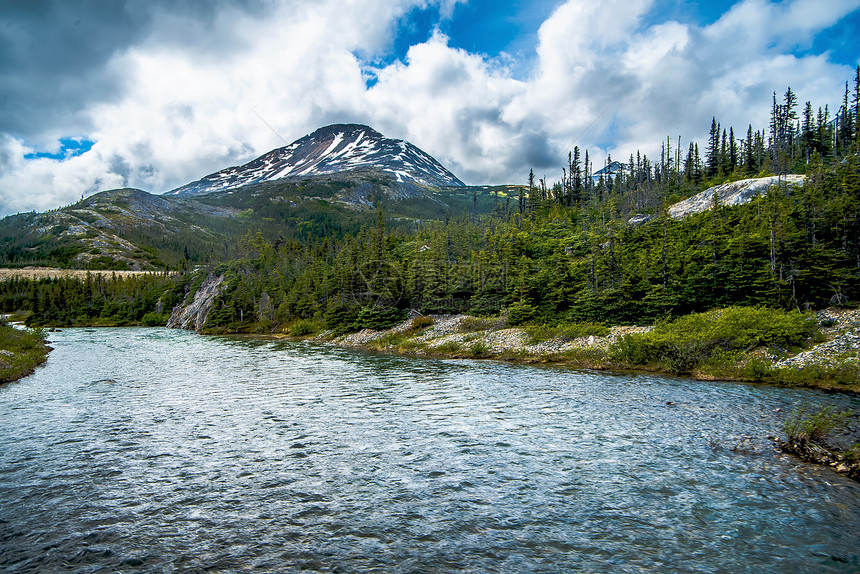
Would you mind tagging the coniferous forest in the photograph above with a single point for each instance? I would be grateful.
(554, 252)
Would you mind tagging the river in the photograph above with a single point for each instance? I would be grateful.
(154, 450)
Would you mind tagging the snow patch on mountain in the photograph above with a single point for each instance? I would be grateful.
(330, 150)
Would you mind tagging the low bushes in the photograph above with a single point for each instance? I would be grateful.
(20, 351)
(718, 336)
(472, 323)
(421, 322)
(154, 320)
(520, 313)
(304, 328)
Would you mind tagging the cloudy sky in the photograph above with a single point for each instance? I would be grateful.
(102, 94)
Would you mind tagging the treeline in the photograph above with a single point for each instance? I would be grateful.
(96, 300)
(565, 252)
(793, 141)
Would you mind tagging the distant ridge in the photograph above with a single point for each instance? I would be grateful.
(330, 150)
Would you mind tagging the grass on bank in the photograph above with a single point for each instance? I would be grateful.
(815, 424)
(20, 351)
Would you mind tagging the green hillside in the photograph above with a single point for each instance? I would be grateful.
(132, 229)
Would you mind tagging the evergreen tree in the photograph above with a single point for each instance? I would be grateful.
(749, 153)
(576, 175)
(733, 150)
(713, 151)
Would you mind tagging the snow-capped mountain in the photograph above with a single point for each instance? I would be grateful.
(330, 150)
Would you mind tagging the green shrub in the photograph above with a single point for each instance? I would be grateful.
(479, 349)
(412, 345)
(154, 320)
(540, 333)
(689, 341)
(304, 327)
(814, 424)
(842, 373)
(390, 340)
(520, 313)
(421, 322)
(584, 329)
(756, 369)
(743, 327)
(471, 323)
(449, 347)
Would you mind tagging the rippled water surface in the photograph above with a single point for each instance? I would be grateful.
(148, 450)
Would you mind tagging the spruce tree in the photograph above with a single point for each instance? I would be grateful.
(733, 150)
(713, 151)
(749, 153)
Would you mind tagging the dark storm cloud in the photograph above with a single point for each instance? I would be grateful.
(537, 151)
(54, 53)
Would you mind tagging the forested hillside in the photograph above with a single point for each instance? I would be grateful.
(552, 252)
(565, 252)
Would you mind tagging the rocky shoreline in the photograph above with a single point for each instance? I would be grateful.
(824, 455)
(464, 336)
(460, 336)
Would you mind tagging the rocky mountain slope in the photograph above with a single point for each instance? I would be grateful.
(328, 182)
(330, 150)
(114, 229)
(132, 229)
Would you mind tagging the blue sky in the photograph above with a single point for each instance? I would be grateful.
(157, 94)
(491, 27)
(67, 148)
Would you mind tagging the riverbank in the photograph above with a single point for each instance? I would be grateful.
(827, 360)
(20, 352)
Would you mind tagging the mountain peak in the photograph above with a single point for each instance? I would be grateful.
(347, 129)
(330, 150)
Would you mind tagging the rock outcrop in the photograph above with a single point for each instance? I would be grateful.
(192, 316)
(734, 193)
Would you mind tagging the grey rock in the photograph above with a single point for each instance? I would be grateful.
(734, 193)
(639, 219)
(192, 316)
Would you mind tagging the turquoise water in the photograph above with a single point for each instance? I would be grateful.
(151, 450)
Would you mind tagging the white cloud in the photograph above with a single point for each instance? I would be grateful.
(447, 102)
(601, 76)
